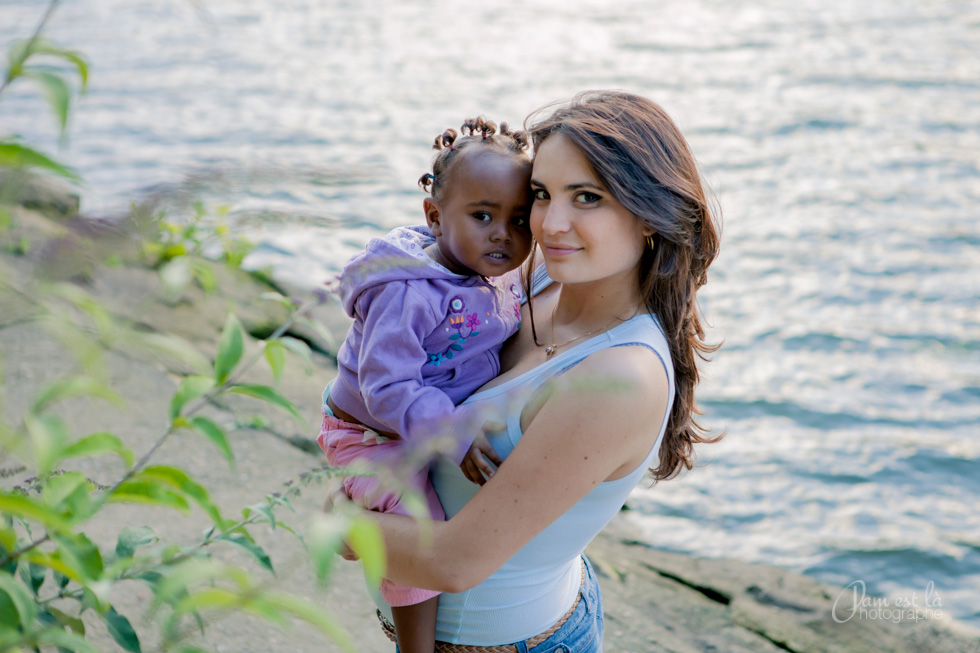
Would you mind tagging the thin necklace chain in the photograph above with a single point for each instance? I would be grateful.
(553, 348)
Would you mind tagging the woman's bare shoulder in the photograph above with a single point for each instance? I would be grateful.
(634, 367)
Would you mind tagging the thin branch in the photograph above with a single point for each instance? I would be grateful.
(13, 555)
(202, 401)
(194, 407)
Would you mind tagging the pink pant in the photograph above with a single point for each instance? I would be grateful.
(344, 443)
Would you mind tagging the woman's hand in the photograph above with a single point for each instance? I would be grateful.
(347, 553)
(336, 495)
(481, 461)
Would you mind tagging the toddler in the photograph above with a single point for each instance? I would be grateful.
(431, 308)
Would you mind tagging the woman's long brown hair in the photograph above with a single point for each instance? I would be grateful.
(640, 155)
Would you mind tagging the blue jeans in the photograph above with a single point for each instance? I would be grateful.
(582, 631)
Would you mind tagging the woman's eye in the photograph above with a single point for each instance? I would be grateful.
(540, 194)
(483, 216)
(586, 197)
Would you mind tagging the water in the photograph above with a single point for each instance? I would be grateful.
(843, 140)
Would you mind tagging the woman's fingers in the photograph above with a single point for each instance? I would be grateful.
(335, 495)
(347, 553)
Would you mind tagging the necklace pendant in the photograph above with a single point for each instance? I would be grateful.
(550, 351)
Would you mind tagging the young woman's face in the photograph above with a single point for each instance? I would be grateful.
(481, 222)
(584, 232)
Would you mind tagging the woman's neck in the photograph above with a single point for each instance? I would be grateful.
(592, 304)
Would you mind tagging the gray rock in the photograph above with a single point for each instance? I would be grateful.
(660, 601)
(53, 197)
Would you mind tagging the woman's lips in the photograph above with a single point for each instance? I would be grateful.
(560, 250)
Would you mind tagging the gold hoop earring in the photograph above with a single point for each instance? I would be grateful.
(651, 243)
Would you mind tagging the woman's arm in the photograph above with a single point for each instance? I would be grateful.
(598, 423)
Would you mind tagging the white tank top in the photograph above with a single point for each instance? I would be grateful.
(538, 585)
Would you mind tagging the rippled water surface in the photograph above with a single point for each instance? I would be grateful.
(843, 141)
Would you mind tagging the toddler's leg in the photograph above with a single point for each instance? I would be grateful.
(415, 626)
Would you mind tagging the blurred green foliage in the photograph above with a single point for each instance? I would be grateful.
(51, 571)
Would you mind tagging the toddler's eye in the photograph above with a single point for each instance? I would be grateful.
(519, 221)
(586, 197)
(540, 194)
(483, 216)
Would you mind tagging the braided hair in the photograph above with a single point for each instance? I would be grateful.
(474, 133)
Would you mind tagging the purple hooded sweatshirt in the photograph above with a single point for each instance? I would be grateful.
(423, 338)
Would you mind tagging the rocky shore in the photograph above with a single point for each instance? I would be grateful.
(654, 601)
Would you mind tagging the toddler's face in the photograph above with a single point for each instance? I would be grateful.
(481, 223)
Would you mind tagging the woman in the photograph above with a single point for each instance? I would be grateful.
(597, 386)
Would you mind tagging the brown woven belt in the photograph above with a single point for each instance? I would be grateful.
(445, 647)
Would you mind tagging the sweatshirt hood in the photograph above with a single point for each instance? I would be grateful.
(398, 256)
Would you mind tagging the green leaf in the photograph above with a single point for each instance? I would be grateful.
(66, 641)
(191, 387)
(312, 614)
(55, 90)
(30, 510)
(42, 46)
(8, 537)
(176, 273)
(320, 329)
(230, 348)
(204, 275)
(61, 579)
(277, 297)
(63, 569)
(36, 575)
(68, 493)
(68, 621)
(264, 510)
(215, 434)
(173, 347)
(73, 386)
(175, 584)
(122, 631)
(133, 537)
(77, 551)
(251, 547)
(366, 541)
(14, 155)
(17, 55)
(49, 434)
(275, 354)
(265, 393)
(180, 480)
(323, 541)
(299, 348)
(97, 444)
(152, 578)
(151, 493)
(21, 604)
(220, 599)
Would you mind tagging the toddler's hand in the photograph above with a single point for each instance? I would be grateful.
(476, 464)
